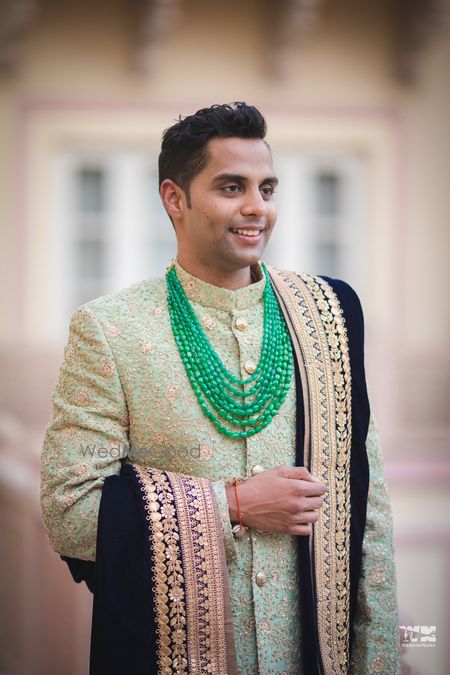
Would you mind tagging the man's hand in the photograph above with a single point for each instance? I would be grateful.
(283, 499)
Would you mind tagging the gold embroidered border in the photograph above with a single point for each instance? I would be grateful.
(168, 580)
(192, 609)
(319, 326)
(203, 563)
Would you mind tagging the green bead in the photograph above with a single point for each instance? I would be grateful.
(219, 392)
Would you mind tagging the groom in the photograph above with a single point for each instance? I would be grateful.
(254, 535)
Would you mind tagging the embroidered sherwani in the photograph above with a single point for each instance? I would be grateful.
(123, 395)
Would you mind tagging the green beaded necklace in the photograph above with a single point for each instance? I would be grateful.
(249, 403)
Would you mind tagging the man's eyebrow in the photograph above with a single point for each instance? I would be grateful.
(242, 179)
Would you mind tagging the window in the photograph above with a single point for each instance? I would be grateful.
(320, 226)
(112, 229)
(89, 234)
(327, 187)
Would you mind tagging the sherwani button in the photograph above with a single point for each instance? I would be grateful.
(260, 578)
(241, 324)
(250, 366)
(257, 469)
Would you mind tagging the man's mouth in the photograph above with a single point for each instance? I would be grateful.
(246, 232)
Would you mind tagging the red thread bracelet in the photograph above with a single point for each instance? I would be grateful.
(240, 514)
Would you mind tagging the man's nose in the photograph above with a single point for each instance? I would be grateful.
(254, 204)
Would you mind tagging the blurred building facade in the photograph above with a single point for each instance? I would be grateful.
(357, 102)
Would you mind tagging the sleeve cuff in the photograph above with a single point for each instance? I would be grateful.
(222, 507)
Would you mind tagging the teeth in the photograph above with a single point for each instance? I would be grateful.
(248, 233)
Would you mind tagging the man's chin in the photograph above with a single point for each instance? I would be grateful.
(243, 259)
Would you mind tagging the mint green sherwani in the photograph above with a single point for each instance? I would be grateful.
(123, 395)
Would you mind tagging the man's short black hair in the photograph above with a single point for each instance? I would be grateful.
(183, 150)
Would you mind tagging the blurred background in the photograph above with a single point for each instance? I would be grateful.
(357, 100)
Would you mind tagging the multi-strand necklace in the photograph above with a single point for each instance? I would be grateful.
(248, 405)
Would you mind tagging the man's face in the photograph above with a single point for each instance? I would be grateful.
(232, 211)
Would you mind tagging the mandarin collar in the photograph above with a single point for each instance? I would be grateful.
(225, 299)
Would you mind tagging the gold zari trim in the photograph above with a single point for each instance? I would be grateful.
(317, 327)
(189, 574)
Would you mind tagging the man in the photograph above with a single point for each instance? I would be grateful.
(236, 396)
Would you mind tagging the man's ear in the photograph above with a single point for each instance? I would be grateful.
(173, 198)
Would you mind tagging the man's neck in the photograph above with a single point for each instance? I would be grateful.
(232, 281)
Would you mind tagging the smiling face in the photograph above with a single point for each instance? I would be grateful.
(231, 211)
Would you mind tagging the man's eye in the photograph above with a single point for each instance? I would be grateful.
(232, 188)
(267, 191)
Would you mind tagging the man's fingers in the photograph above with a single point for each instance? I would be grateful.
(304, 504)
(299, 472)
(311, 503)
(308, 489)
(295, 472)
(304, 518)
(301, 530)
(314, 478)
